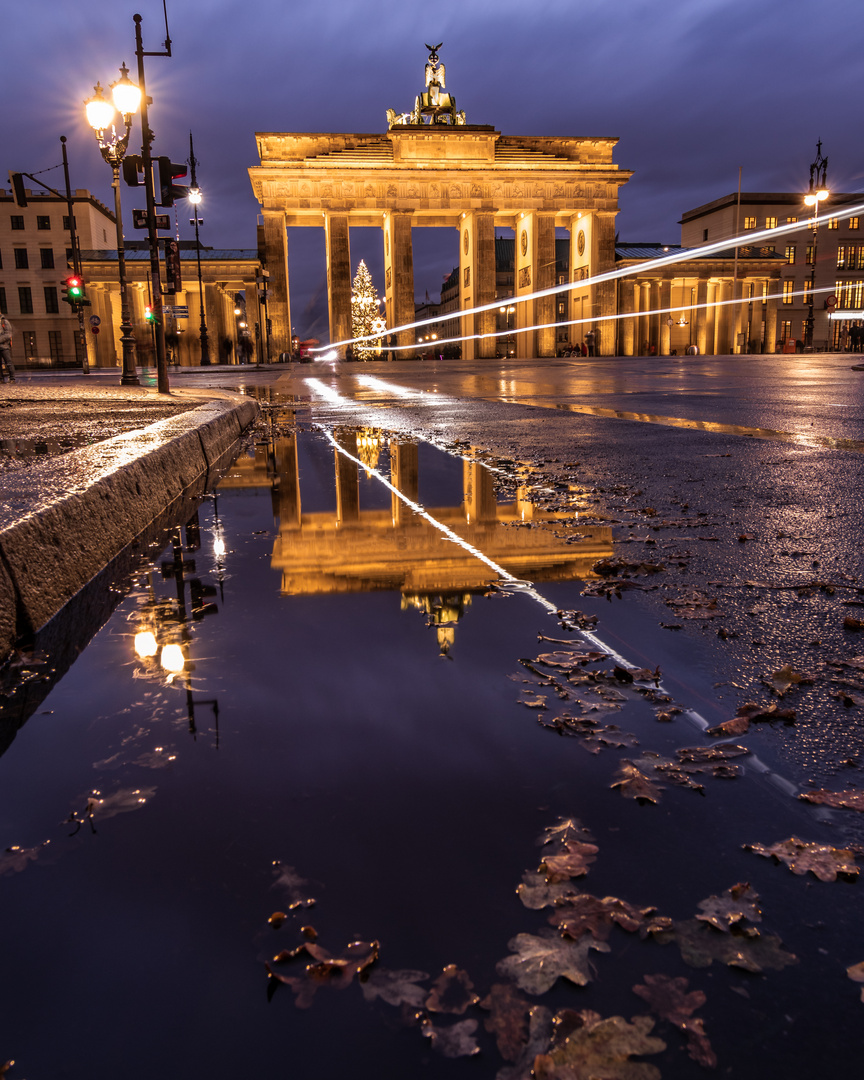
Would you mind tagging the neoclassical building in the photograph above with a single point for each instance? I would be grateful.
(432, 169)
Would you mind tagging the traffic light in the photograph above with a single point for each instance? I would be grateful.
(133, 170)
(73, 288)
(168, 190)
(149, 314)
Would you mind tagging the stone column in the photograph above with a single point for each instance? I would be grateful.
(627, 334)
(479, 493)
(643, 322)
(276, 260)
(654, 316)
(665, 325)
(723, 319)
(580, 255)
(771, 316)
(338, 277)
(405, 477)
(399, 276)
(289, 484)
(347, 479)
(477, 282)
(603, 295)
(737, 317)
(711, 318)
(545, 262)
(700, 339)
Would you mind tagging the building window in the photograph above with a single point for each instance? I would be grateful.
(749, 222)
(47, 257)
(841, 256)
(790, 254)
(850, 294)
(833, 223)
(21, 261)
(704, 235)
(560, 307)
(853, 222)
(808, 294)
(788, 290)
(770, 222)
(29, 337)
(859, 262)
(809, 259)
(43, 221)
(791, 220)
(785, 330)
(66, 222)
(562, 279)
(3, 308)
(51, 304)
(17, 221)
(55, 345)
(25, 300)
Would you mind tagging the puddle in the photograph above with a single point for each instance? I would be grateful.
(313, 704)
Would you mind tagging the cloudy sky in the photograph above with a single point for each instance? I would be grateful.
(692, 88)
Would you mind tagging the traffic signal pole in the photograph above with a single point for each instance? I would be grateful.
(76, 260)
(147, 159)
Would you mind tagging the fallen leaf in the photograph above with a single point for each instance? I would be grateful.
(847, 800)
(539, 1037)
(853, 624)
(784, 679)
(819, 859)
(701, 945)
(573, 863)
(634, 784)
(668, 998)
(542, 959)
(735, 906)
(738, 725)
(508, 1021)
(534, 701)
(456, 1040)
(602, 1048)
(395, 987)
(583, 914)
(565, 831)
(711, 753)
(755, 713)
(452, 992)
(336, 972)
(535, 892)
(276, 919)
(855, 973)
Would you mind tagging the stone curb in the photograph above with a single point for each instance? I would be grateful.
(61, 522)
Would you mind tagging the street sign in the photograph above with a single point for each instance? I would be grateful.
(94, 329)
(139, 220)
(831, 302)
(95, 320)
(181, 311)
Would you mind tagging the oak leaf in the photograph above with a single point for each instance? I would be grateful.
(535, 892)
(581, 915)
(573, 863)
(819, 859)
(455, 1040)
(668, 998)
(723, 752)
(602, 1048)
(847, 800)
(735, 906)
(395, 987)
(508, 1021)
(539, 1037)
(634, 784)
(541, 959)
(338, 972)
(452, 992)
(701, 945)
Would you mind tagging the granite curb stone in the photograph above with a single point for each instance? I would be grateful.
(62, 521)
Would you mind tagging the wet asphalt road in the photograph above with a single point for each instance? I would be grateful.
(741, 477)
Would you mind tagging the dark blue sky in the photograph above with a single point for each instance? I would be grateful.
(693, 89)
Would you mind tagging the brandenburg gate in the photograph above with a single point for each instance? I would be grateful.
(432, 169)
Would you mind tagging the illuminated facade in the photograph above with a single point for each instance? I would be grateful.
(839, 257)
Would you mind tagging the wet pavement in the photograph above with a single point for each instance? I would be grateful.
(373, 725)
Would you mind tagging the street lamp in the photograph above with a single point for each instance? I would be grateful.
(195, 199)
(817, 193)
(100, 116)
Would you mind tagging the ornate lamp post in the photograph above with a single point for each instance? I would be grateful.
(195, 199)
(817, 193)
(100, 116)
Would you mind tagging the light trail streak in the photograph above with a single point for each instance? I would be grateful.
(751, 239)
(510, 582)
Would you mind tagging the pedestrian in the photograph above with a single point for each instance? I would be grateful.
(6, 365)
(589, 341)
(584, 349)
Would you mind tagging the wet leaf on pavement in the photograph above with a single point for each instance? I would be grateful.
(723, 752)
(735, 906)
(454, 1040)
(819, 859)
(535, 892)
(602, 1048)
(452, 992)
(395, 987)
(508, 1019)
(572, 863)
(847, 800)
(668, 998)
(784, 679)
(593, 735)
(856, 974)
(310, 967)
(634, 784)
(738, 725)
(539, 1037)
(541, 959)
(701, 945)
(583, 914)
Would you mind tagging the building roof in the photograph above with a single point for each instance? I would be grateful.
(186, 255)
(766, 198)
(658, 251)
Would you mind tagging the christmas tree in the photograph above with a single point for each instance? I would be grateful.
(365, 316)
